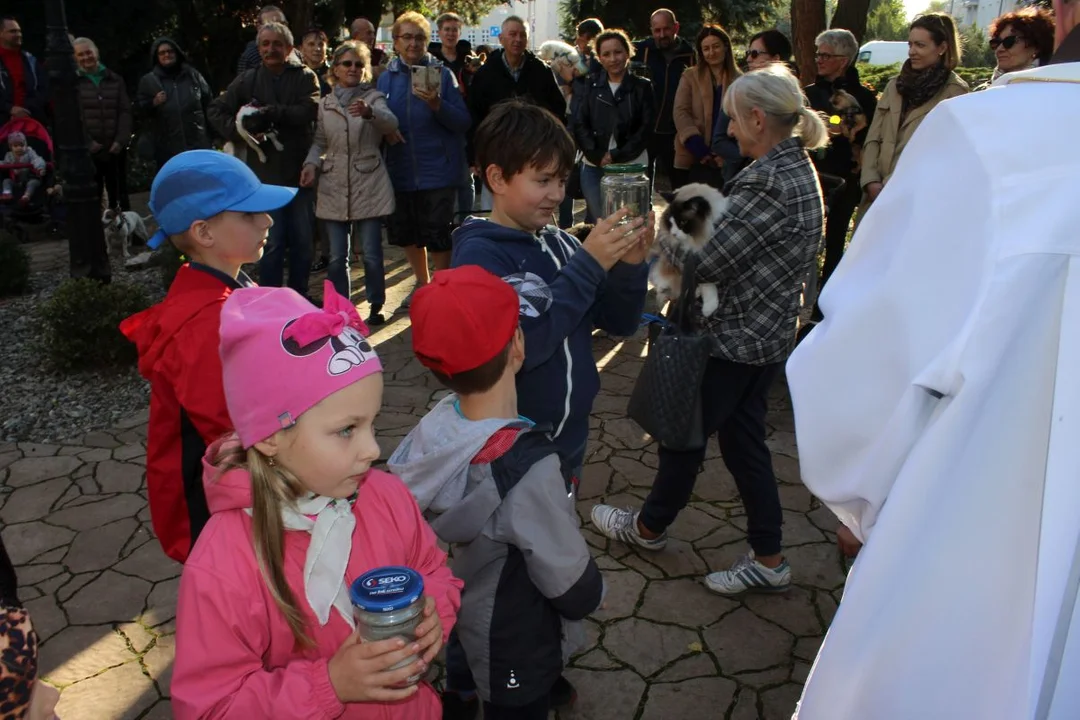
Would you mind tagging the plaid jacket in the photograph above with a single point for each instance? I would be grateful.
(760, 253)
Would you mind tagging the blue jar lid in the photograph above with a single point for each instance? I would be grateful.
(386, 589)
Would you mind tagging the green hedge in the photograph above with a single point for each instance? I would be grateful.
(80, 324)
(878, 76)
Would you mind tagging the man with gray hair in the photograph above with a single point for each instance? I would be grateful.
(513, 72)
(363, 30)
(250, 58)
(837, 51)
(937, 407)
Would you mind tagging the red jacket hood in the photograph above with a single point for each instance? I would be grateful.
(154, 329)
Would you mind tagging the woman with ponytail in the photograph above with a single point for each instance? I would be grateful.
(761, 251)
(265, 627)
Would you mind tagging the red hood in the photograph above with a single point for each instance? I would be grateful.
(152, 330)
(228, 491)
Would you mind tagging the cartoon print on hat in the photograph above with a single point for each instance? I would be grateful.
(350, 348)
(534, 295)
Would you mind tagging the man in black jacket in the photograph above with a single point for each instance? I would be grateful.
(837, 50)
(288, 94)
(512, 72)
(662, 58)
(23, 90)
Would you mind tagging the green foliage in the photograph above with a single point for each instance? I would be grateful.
(887, 21)
(878, 76)
(80, 324)
(14, 266)
(739, 17)
(976, 46)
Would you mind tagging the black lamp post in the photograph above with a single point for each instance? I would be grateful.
(86, 236)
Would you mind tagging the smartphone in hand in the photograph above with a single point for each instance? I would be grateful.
(426, 79)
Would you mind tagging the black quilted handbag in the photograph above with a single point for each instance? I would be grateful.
(666, 400)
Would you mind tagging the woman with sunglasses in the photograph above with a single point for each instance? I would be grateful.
(354, 192)
(425, 154)
(926, 79)
(1021, 40)
(767, 47)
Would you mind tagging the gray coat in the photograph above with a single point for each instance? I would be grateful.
(353, 182)
(529, 577)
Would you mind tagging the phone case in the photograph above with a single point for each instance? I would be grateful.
(426, 79)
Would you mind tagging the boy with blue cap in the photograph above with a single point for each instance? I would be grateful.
(214, 210)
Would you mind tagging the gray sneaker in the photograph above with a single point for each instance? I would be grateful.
(748, 575)
(621, 524)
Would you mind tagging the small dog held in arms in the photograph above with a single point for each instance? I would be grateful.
(240, 151)
(556, 53)
(687, 224)
(120, 227)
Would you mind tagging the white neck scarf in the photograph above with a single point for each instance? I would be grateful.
(327, 555)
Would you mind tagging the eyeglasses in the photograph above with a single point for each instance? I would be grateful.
(165, 51)
(408, 38)
(826, 56)
(1005, 42)
(350, 63)
(755, 54)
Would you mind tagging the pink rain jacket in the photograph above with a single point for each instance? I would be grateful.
(235, 654)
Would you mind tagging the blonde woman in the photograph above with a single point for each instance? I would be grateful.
(760, 253)
(701, 156)
(354, 192)
(926, 79)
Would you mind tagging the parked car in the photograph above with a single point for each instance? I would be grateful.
(883, 52)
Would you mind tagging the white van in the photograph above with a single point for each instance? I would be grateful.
(883, 52)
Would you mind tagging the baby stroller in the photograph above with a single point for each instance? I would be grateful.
(41, 208)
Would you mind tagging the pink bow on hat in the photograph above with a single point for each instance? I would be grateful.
(337, 314)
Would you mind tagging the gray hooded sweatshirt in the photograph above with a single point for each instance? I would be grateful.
(529, 577)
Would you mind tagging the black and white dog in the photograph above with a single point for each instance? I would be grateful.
(120, 228)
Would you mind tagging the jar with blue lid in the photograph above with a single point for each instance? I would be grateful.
(388, 602)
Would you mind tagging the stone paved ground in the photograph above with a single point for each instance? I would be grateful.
(103, 595)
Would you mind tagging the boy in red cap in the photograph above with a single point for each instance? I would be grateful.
(495, 485)
(214, 210)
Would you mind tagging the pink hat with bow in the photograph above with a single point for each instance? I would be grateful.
(281, 355)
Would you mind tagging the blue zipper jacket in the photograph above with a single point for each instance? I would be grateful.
(434, 149)
(564, 295)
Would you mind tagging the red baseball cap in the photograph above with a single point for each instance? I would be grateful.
(462, 319)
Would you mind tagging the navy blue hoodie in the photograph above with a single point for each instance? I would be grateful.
(564, 295)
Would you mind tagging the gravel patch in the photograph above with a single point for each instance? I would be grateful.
(41, 405)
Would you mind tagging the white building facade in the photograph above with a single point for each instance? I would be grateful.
(980, 13)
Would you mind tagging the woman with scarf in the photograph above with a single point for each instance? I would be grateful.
(354, 191)
(106, 113)
(174, 96)
(925, 80)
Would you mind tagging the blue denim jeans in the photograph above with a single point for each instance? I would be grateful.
(369, 233)
(590, 188)
(466, 196)
(566, 212)
(293, 231)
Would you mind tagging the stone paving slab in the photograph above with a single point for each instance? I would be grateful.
(103, 594)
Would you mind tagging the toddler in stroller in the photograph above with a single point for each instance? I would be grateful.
(25, 170)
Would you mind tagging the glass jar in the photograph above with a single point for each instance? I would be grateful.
(388, 602)
(626, 186)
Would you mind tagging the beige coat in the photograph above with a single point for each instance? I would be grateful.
(888, 137)
(353, 182)
(692, 114)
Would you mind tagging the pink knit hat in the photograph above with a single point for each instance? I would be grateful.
(281, 355)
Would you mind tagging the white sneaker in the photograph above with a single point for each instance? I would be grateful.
(621, 524)
(748, 575)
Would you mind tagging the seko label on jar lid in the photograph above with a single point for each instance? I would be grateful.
(386, 589)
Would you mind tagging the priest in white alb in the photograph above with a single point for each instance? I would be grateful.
(937, 412)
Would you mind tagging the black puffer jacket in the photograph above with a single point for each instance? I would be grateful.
(106, 110)
(838, 158)
(629, 114)
(292, 105)
(180, 123)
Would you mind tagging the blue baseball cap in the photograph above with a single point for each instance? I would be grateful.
(199, 184)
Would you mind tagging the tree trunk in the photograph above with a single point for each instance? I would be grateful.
(807, 20)
(851, 15)
(300, 14)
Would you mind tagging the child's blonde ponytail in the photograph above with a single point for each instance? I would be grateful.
(272, 489)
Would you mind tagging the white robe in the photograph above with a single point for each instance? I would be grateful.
(937, 412)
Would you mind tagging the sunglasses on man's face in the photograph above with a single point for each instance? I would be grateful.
(1005, 42)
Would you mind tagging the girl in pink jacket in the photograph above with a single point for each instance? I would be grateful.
(265, 627)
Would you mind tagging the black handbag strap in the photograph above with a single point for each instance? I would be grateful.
(683, 314)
